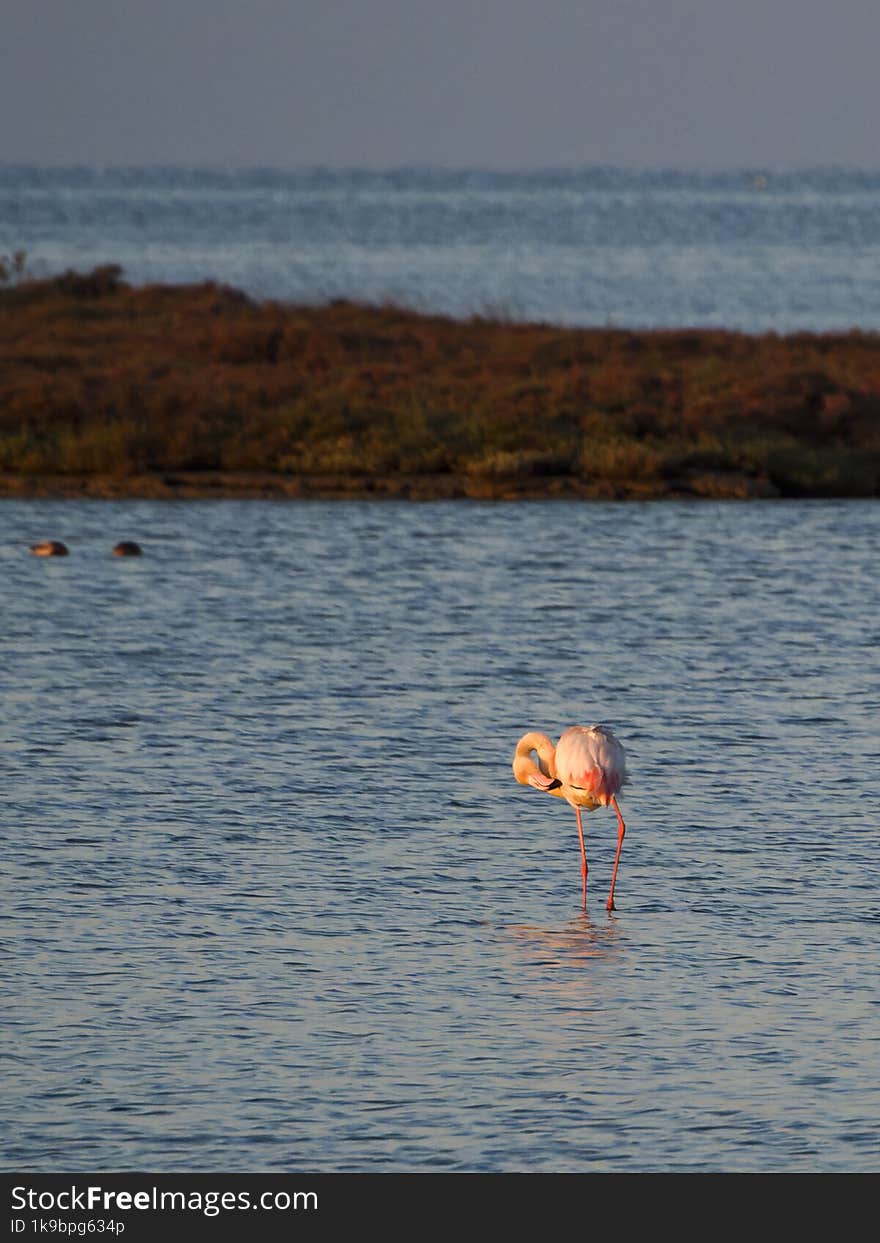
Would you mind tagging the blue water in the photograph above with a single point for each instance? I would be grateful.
(749, 250)
(272, 899)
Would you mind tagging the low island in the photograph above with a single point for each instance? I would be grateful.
(113, 390)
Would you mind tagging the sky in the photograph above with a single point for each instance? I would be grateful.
(500, 84)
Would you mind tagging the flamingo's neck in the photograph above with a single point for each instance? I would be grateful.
(524, 765)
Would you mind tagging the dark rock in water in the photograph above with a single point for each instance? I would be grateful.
(127, 548)
(49, 548)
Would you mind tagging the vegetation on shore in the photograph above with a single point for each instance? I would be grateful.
(108, 389)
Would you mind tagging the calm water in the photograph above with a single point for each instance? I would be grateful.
(273, 900)
(780, 251)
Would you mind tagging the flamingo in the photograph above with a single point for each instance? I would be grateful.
(587, 768)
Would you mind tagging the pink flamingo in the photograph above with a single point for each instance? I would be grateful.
(587, 768)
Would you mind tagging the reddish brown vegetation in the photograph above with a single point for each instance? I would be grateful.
(195, 390)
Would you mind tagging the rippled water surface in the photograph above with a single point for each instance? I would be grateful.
(782, 251)
(273, 900)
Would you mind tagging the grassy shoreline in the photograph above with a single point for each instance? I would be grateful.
(250, 485)
(109, 390)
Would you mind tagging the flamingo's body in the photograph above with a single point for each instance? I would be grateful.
(587, 768)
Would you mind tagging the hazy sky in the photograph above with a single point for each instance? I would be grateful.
(497, 83)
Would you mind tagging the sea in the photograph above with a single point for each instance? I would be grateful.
(752, 250)
(271, 898)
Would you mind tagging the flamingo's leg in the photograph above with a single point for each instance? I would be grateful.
(584, 868)
(621, 829)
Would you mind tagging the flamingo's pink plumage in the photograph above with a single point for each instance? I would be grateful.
(587, 768)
